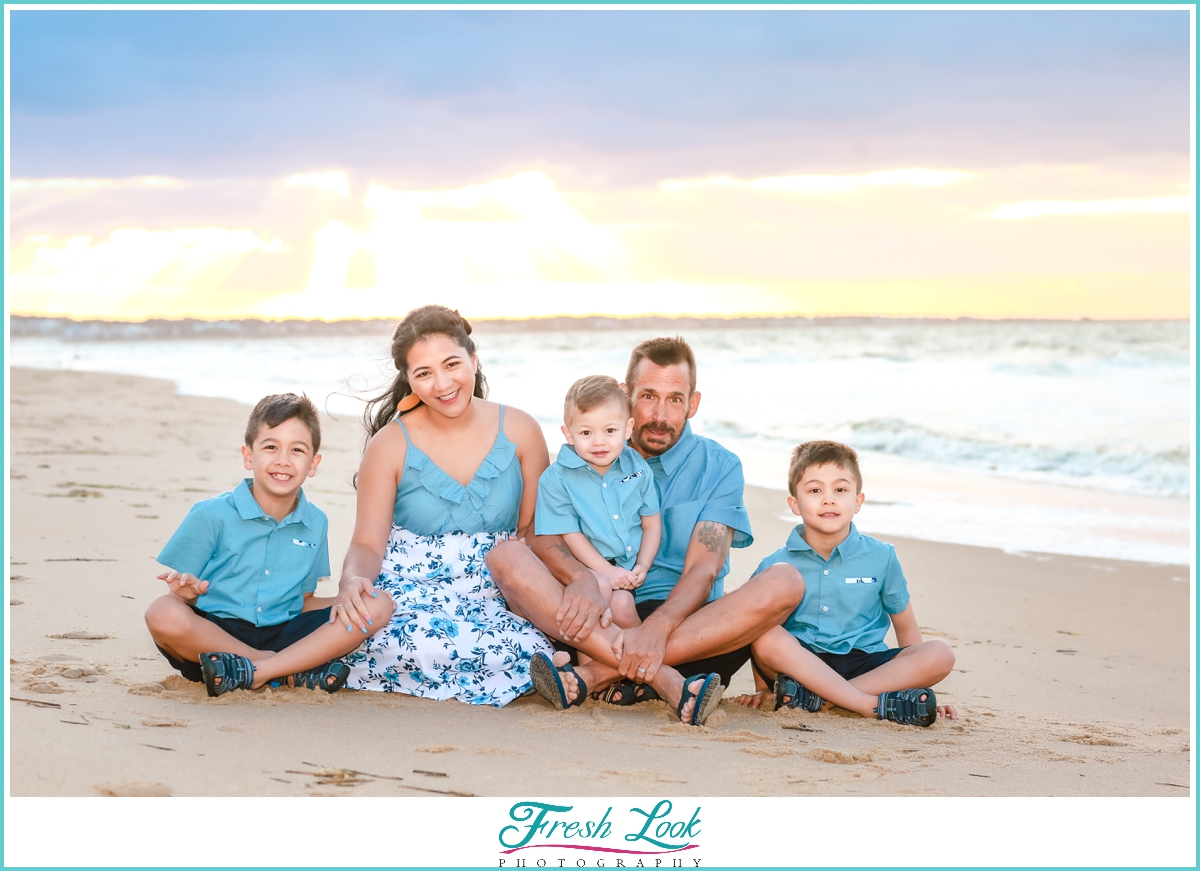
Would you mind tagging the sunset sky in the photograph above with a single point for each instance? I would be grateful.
(333, 164)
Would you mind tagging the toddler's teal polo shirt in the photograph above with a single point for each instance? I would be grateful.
(847, 598)
(697, 480)
(608, 509)
(257, 570)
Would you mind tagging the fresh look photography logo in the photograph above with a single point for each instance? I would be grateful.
(637, 838)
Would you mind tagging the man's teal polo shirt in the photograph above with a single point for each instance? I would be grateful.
(608, 509)
(847, 598)
(257, 570)
(697, 480)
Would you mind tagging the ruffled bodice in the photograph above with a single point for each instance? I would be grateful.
(430, 502)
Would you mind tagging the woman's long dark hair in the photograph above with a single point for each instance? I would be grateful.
(419, 324)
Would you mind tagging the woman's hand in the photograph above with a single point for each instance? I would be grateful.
(349, 607)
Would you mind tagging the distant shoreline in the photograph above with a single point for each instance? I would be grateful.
(69, 329)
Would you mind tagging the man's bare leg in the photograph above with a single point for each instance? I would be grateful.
(732, 621)
(533, 593)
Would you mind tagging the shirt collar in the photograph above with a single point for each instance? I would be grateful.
(249, 509)
(567, 457)
(674, 457)
(571, 460)
(847, 548)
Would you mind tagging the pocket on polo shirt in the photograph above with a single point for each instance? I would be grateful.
(679, 522)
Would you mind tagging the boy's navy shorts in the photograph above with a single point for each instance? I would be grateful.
(848, 665)
(726, 664)
(274, 638)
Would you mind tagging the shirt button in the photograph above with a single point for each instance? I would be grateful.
(630, 547)
(825, 608)
(826, 572)
(260, 610)
(616, 517)
(268, 571)
(604, 486)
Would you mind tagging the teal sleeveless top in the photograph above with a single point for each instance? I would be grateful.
(430, 502)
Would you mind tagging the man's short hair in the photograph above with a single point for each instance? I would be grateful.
(271, 411)
(662, 351)
(592, 392)
(818, 454)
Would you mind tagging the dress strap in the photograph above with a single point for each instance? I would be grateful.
(403, 429)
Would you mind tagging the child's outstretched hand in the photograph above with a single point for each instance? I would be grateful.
(186, 586)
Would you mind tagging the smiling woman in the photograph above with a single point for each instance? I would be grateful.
(445, 475)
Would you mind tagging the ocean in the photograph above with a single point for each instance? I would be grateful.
(1062, 437)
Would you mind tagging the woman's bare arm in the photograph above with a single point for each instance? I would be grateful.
(378, 476)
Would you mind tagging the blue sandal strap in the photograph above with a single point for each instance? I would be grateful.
(234, 671)
(913, 707)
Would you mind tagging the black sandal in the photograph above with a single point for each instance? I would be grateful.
(225, 672)
(908, 707)
(621, 693)
(790, 693)
(330, 677)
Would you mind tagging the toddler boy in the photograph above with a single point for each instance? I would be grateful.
(599, 495)
(832, 647)
(243, 567)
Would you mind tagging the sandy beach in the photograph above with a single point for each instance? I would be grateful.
(1072, 678)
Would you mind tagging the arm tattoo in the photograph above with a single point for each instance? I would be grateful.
(561, 550)
(716, 537)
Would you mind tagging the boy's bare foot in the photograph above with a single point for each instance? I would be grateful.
(756, 700)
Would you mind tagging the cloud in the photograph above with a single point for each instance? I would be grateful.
(826, 184)
(1172, 205)
(327, 181)
(87, 185)
(622, 97)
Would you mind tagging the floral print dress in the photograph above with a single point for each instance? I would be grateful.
(452, 635)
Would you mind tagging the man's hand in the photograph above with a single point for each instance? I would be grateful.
(184, 586)
(581, 610)
(640, 651)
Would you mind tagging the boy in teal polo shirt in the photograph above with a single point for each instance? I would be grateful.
(832, 647)
(599, 494)
(243, 567)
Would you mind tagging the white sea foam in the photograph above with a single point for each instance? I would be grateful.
(1101, 408)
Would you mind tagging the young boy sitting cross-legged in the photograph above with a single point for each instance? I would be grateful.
(832, 649)
(243, 567)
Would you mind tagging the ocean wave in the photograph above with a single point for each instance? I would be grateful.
(1120, 468)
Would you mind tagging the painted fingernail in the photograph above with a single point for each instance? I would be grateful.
(364, 629)
(374, 595)
(370, 622)
(348, 629)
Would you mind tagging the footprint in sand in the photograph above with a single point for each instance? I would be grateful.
(822, 754)
(133, 789)
(45, 687)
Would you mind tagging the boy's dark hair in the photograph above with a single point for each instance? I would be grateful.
(818, 454)
(662, 352)
(592, 392)
(274, 410)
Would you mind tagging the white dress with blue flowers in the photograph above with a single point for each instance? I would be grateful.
(452, 635)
